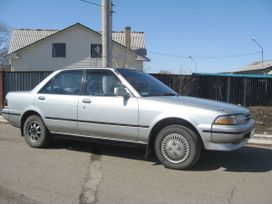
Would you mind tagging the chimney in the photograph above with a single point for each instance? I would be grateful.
(128, 36)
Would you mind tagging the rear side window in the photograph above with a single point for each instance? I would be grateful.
(65, 83)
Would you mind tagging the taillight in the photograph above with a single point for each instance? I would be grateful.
(6, 102)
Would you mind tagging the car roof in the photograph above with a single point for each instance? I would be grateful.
(102, 68)
(97, 68)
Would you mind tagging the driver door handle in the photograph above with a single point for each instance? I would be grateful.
(41, 98)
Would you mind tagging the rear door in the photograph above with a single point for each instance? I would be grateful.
(58, 101)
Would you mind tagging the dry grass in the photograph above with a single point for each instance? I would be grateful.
(263, 116)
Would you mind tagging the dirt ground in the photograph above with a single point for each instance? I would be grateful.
(263, 116)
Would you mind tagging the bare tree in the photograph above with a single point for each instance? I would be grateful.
(147, 69)
(4, 40)
(164, 71)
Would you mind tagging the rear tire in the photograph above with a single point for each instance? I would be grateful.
(177, 147)
(35, 132)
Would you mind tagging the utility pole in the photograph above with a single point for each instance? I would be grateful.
(110, 36)
(106, 33)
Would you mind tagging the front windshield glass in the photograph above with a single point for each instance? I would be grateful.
(146, 84)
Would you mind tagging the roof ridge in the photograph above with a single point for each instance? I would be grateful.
(45, 29)
(123, 31)
(36, 29)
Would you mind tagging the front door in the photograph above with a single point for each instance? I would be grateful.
(101, 114)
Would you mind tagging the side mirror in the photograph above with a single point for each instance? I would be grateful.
(121, 91)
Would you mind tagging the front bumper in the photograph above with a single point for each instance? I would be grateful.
(232, 133)
(229, 137)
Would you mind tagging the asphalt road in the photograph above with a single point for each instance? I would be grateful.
(77, 172)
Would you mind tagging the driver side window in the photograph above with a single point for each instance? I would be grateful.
(100, 83)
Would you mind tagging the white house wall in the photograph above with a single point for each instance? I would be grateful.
(38, 57)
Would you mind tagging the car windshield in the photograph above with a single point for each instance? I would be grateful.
(146, 84)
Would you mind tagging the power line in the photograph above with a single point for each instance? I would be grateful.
(168, 55)
(99, 5)
(205, 57)
(89, 2)
(229, 56)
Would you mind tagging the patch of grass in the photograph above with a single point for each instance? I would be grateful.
(263, 117)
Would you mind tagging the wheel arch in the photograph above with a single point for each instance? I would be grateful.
(164, 123)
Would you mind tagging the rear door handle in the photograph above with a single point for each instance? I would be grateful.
(86, 101)
(41, 98)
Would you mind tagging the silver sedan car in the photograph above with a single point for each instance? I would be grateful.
(126, 105)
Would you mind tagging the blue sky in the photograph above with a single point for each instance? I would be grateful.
(211, 31)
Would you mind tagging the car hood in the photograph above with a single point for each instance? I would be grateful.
(206, 104)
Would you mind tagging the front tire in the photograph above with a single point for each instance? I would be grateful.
(35, 132)
(177, 147)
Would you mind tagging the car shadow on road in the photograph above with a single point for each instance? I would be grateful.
(246, 159)
(109, 149)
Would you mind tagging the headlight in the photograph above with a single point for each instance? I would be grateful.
(230, 119)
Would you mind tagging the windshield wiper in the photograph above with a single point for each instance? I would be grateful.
(164, 94)
(168, 94)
